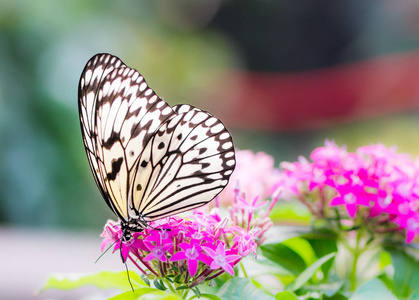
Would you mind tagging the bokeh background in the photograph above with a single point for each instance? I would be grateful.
(283, 75)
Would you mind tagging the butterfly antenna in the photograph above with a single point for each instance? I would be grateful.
(129, 279)
(105, 251)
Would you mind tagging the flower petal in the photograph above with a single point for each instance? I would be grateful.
(178, 256)
(228, 268)
(192, 266)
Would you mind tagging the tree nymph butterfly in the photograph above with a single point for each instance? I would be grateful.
(149, 160)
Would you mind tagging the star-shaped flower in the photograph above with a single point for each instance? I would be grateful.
(192, 253)
(221, 259)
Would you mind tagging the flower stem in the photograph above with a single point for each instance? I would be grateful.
(305, 202)
(135, 263)
(244, 271)
(356, 253)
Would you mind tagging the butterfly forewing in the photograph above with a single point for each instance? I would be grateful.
(194, 160)
(128, 114)
(95, 70)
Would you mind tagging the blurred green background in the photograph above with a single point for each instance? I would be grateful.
(192, 52)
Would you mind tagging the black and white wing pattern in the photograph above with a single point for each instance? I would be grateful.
(94, 72)
(149, 160)
(185, 165)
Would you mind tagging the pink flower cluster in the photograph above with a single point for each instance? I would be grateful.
(375, 184)
(255, 174)
(195, 248)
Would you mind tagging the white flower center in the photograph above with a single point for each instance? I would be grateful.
(412, 224)
(197, 235)
(220, 260)
(384, 202)
(158, 251)
(191, 253)
(350, 198)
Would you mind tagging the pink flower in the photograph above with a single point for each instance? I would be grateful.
(112, 233)
(330, 156)
(175, 246)
(378, 178)
(250, 207)
(255, 174)
(192, 253)
(198, 235)
(192, 249)
(351, 194)
(158, 249)
(246, 241)
(221, 259)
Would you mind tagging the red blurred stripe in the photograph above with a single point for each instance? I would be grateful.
(312, 99)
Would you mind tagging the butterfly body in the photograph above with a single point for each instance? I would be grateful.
(149, 160)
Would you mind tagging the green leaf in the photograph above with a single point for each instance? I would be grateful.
(294, 212)
(386, 280)
(285, 296)
(159, 284)
(309, 272)
(337, 296)
(323, 244)
(177, 278)
(241, 289)
(414, 295)
(174, 268)
(303, 248)
(197, 292)
(183, 287)
(145, 279)
(385, 259)
(406, 272)
(284, 256)
(102, 280)
(146, 293)
(373, 289)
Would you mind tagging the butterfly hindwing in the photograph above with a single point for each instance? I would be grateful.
(185, 165)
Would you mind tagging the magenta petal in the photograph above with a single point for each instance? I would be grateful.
(205, 258)
(105, 243)
(338, 200)
(178, 256)
(351, 208)
(228, 268)
(231, 258)
(409, 236)
(192, 266)
(149, 257)
(220, 249)
(125, 252)
(162, 258)
(167, 247)
(210, 251)
(150, 246)
(184, 246)
(214, 265)
(153, 238)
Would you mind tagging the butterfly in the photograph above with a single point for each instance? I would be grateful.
(149, 160)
